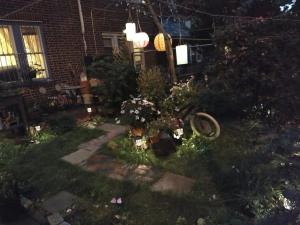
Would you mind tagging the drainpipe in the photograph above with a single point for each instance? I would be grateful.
(82, 26)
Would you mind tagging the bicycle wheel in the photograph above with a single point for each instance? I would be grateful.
(205, 125)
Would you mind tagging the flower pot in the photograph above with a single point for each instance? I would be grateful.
(137, 131)
(164, 146)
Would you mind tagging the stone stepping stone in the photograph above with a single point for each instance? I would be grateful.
(59, 203)
(171, 182)
(108, 127)
(55, 219)
(79, 157)
(144, 174)
(87, 149)
(119, 170)
(108, 166)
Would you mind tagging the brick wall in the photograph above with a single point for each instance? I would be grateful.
(62, 33)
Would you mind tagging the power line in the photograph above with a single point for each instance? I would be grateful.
(22, 8)
(228, 16)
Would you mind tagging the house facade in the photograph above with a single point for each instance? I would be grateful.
(50, 40)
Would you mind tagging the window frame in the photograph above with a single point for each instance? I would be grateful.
(19, 46)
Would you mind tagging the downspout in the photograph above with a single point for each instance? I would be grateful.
(82, 26)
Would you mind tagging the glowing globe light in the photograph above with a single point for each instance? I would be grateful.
(130, 31)
(182, 54)
(140, 40)
(159, 42)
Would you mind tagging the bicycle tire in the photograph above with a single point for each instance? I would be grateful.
(212, 120)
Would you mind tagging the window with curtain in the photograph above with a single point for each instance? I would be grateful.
(22, 55)
(7, 50)
(33, 50)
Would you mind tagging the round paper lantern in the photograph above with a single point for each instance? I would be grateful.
(159, 42)
(140, 40)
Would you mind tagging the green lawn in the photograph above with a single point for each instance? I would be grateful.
(220, 169)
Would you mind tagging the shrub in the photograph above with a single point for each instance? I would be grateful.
(62, 123)
(118, 80)
(182, 94)
(152, 85)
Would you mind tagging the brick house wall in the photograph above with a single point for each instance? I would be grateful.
(61, 29)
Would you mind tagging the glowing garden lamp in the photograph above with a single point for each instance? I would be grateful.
(89, 110)
(182, 54)
(141, 40)
(130, 31)
(159, 42)
(38, 128)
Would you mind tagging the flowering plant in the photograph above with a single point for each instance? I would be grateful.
(138, 111)
(182, 94)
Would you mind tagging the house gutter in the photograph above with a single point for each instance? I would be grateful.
(82, 26)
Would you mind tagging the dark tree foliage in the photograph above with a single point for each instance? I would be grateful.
(257, 63)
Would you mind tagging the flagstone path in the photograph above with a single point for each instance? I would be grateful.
(89, 157)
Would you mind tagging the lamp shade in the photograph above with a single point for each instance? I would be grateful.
(159, 42)
(182, 54)
(130, 31)
(141, 40)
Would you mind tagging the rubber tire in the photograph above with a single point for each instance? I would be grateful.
(213, 120)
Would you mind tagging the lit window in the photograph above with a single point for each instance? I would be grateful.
(33, 50)
(22, 56)
(7, 52)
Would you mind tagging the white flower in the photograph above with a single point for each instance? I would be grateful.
(137, 117)
(158, 112)
(118, 122)
(131, 111)
(133, 101)
(136, 111)
(123, 112)
(69, 211)
(288, 204)
(143, 119)
(177, 109)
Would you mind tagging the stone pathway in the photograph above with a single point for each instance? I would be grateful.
(90, 159)
(86, 150)
(117, 170)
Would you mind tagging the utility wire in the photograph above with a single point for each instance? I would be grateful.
(21, 9)
(228, 16)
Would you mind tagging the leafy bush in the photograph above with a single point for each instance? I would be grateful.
(118, 80)
(182, 94)
(218, 100)
(62, 123)
(262, 74)
(152, 85)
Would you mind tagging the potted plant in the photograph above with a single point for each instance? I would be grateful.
(137, 112)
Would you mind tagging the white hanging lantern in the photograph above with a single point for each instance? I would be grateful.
(130, 31)
(182, 54)
(140, 40)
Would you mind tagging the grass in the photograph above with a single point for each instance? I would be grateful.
(210, 164)
(45, 174)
